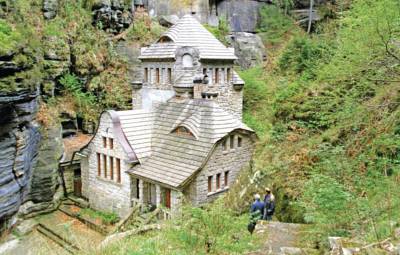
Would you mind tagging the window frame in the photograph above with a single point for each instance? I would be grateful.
(231, 142)
(111, 167)
(118, 169)
(210, 181)
(226, 178)
(239, 141)
(98, 164)
(104, 142)
(218, 181)
(105, 165)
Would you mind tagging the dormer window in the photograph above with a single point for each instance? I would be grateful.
(187, 61)
(183, 131)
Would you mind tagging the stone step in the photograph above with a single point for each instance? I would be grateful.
(68, 246)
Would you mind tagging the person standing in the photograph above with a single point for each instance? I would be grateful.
(256, 212)
(269, 204)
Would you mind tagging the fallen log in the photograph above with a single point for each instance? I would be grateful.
(122, 235)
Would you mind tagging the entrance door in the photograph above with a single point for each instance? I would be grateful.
(77, 183)
(168, 198)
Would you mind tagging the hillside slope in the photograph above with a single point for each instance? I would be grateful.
(327, 110)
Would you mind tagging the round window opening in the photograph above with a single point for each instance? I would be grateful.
(187, 60)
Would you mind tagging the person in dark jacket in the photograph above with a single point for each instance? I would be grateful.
(269, 204)
(256, 213)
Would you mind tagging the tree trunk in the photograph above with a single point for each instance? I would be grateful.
(310, 16)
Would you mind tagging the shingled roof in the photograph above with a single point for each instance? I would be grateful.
(188, 32)
(175, 158)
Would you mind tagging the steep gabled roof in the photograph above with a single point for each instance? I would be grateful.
(188, 32)
(137, 126)
(175, 158)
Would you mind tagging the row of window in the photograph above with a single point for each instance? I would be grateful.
(102, 167)
(232, 144)
(158, 74)
(218, 75)
(108, 143)
(217, 186)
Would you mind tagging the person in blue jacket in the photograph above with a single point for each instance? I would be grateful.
(256, 212)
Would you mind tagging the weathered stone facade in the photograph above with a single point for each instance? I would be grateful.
(102, 192)
(231, 160)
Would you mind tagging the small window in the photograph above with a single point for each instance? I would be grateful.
(104, 142)
(228, 75)
(218, 183)
(111, 143)
(157, 75)
(216, 76)
(146, 75)
(226, 179)
(105, 165)
(224, 145)
(98, 164)
(169, 75)
(111, 168)
(239, 141)
(210, 178)
(182, 131)
(118, 168)
(232, 142)
(187, 60)
(204, 71)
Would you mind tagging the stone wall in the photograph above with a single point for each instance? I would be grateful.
(232, 160)
(103, 193)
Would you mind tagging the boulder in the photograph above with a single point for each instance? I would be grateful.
(26, 226)
(168, 20)
(50, 9)
(249, 49)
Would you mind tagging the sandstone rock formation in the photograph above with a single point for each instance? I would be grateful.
(112, 16)
(249, 49)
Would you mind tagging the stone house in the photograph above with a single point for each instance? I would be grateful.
(184, 140)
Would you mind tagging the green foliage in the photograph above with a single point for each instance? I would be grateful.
(274, 25)
(8, 38)
(221, 31)
(145, 32)
(106, 218)
(303, 55)
(211, 230)
(85, 101)
(330, 148)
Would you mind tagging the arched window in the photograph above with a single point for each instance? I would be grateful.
(182, 131)
(187, 60)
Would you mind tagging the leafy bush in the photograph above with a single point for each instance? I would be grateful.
(106, 218)
(274, 25)
(8, 37)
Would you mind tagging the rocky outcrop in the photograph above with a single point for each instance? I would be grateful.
(243, 15)
(50, 9)
(249, 49)
(19, 143)
(113, 16)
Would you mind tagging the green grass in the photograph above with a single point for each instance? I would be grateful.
(212, 230)
(106, 218)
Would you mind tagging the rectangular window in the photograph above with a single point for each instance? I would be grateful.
(216, 77)
(232, 142)
(98, 164)
(210, 178)
(118, 168)
(204, 71)
(104, 142)
(169, 75)
(239, 141)
(228, 75)
(105, 165)
(146, 75)
(218, 183)
(111, 168)
(157, 75)
(226, 179)
(111, 143)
